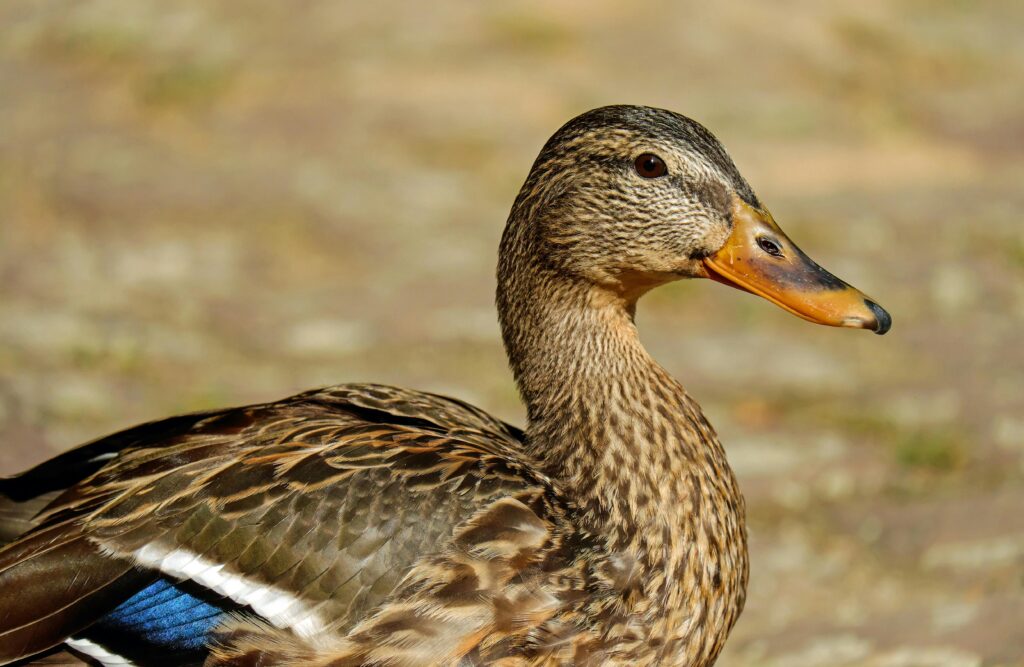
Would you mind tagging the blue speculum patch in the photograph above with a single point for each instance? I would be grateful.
(167, 622)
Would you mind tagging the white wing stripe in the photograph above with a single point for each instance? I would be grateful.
(277, 606)
(98, 653)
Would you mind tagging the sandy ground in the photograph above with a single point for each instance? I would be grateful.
(208, 204)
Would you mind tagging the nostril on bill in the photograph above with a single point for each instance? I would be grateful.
(883, 321)
(769, 246)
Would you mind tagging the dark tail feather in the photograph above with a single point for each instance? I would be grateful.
(49, 607)
(24, 496)
(17, 518)
(55, 658)
(62, 584)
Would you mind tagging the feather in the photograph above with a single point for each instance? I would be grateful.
(54, 588)
(371, 525)
(237, 503)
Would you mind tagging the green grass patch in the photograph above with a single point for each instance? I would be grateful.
(939, 451)
(530, 32)
(183, 85)
(1015, 253)
(935, 447)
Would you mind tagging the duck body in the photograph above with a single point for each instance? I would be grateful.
(312, 512)
(372, 525)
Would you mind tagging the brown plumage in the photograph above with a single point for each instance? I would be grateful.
(370, 525)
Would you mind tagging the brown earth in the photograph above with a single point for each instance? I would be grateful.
(205, 204)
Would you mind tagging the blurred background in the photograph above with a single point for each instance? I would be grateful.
(206, 204)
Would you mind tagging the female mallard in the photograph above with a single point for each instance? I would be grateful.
(370, 525)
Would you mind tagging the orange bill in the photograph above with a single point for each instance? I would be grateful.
(759, 258)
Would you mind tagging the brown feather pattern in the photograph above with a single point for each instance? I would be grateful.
(371, 525)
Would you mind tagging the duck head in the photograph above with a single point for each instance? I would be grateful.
(628, 198)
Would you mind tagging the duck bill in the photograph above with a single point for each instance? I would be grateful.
(759, 258)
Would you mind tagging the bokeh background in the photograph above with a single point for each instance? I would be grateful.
(205, 204)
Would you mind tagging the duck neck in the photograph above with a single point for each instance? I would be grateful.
(605, 420)
(639, 462)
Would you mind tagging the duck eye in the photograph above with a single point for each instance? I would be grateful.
(650, 165)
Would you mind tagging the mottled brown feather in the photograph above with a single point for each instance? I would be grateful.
(409, 529)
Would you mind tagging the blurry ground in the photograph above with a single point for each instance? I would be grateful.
(206, 206)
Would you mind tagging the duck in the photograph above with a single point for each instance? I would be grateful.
(363, 524)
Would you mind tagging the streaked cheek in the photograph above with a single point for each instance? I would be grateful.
(696, 234)
(714, 237)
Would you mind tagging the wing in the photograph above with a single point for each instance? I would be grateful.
(23, 497)
(306, 513)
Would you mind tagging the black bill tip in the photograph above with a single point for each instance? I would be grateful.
(883, 321)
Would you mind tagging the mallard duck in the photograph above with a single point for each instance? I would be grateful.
(370, 525)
